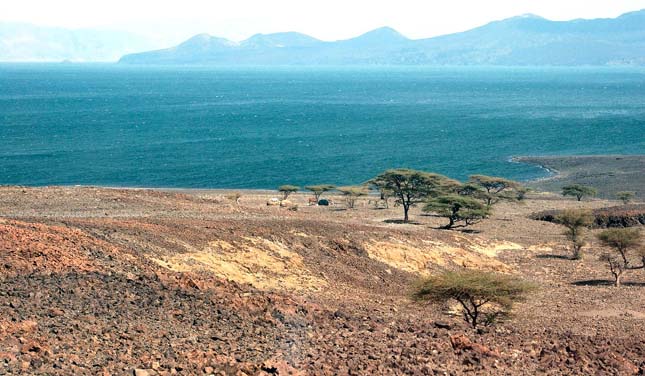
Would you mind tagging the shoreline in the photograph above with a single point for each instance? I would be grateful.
(560, 169)
(609, 173)
(529, 160)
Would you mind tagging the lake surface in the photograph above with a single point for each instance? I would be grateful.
(262, 127)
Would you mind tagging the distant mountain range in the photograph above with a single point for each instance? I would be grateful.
(21, 42)
(523, 40)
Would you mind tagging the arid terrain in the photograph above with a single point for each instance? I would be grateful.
(97, 281)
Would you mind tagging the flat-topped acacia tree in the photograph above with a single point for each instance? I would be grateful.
(578, 191)
(493, 188)
(319, 189)
(483, 296)
(352, 193)
(457, 208)
(411, 186)
(287, 190)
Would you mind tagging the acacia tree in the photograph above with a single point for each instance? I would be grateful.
(411, 186)
(480, 294)
(494, 189)
(318, 190)
(457, 208)
(575, 221)
(578, 191)
(625, 197)
(622, 241)
(470, 189)
(287, 190)
(352, 193)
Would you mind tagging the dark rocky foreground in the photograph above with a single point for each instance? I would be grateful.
(615, 216)
(81, 295)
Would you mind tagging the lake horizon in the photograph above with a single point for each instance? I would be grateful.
(205, 127)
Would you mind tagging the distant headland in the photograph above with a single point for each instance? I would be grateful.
(526, 40)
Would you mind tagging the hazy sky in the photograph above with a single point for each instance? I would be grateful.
(173, 21)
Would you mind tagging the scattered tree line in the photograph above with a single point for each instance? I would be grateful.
(622, 244)
(462, 204)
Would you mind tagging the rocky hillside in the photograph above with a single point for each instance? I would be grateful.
(103, 281)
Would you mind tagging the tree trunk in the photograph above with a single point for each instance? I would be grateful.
(579, 197)
(405, 213)
(618, 277)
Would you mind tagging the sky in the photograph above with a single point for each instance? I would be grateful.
(173, 21)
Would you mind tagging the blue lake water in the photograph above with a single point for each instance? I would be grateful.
(262, 127)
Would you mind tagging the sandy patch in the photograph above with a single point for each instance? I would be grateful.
(260, 262)
(417, 258)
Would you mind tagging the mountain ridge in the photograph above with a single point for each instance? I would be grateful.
(522, 40)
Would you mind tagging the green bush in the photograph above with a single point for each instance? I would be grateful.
(576, 222)
(484, 296)
(622, 241)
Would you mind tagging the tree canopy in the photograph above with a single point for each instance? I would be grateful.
(578, 191)
(457, 208)
(318, 190)
(479, 293)
(287, 190)
(493, 188)
(352, 193)
(411, 186)
(621, 241)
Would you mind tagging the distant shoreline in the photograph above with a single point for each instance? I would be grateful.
(607, 173)
(552, 172)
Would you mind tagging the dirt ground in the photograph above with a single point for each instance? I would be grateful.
(120, 281)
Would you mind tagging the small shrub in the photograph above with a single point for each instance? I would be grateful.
(483, 296)
(235, 196)
(625, 197)
(622, 241)
(576, 222)
(352, 193)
